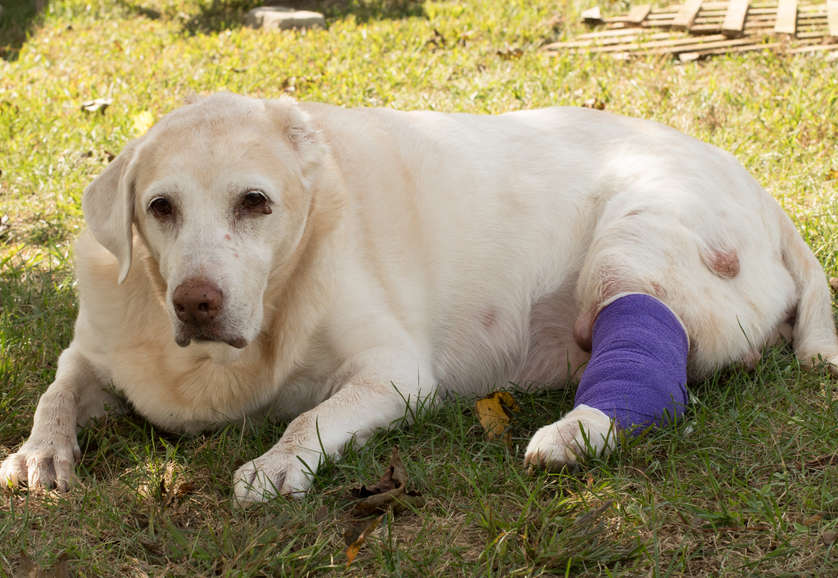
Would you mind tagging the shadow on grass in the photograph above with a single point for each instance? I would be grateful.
(18, 18)
(218, 15)
(17, 21)
(37, 309)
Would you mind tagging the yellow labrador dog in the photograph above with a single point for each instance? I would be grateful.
(332, 266)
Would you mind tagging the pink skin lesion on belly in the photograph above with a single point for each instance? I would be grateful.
(722, 262)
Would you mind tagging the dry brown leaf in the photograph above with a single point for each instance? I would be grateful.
(510, 53)
(355, 542)
(833, 282)
(389, 491)
(495, 413)
(813, 520)
(388, 494)
(822, 462)
(594, 103)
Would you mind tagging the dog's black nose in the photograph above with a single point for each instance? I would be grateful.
(197, 301)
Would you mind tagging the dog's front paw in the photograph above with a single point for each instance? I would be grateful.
(583, 431)
(42, 463)
(273, 474)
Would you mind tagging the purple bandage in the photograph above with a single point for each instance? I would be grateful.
(637, 373)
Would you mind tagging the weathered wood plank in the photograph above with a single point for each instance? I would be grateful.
(691, 56)
(646, 46)
(734, 22)
(639, 38)
(637, 14)
(713, 27)
(786, 17)
(686, 15)
(608, 33)
(723, 45)
(832, 16)
(812, 48)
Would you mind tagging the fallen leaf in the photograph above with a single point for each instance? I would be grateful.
(828, 537)
(822, 462)
(813, 520)
(388, 494)
(833, 282)
(354, 543)
(437, 40)
(389, 491)
(96, 105)
(509, 53)
(495, 413)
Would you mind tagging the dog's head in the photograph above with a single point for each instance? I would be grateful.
(220, 191)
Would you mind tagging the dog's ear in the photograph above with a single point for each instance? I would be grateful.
(108, 206)
(297, 127)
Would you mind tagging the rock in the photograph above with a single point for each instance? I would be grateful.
(96, 105)
(282, 18)
(592, 16)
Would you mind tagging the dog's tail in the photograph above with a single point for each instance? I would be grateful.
(814, 327)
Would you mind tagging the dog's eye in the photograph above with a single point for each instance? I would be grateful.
(161, 208)
(255, 202)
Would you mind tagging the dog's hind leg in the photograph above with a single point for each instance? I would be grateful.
(636, 377)
(47, 458)
(713, 298)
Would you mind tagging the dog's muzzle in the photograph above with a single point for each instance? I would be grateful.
(198, 304)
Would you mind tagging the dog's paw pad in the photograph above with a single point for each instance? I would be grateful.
(583, 431)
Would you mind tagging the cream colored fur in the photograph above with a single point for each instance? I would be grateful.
(406, 254)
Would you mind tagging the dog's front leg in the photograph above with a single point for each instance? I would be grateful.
(47, 458)
(382, 383)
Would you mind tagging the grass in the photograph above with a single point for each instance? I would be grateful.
(749, 486)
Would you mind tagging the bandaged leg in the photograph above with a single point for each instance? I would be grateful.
(636, 378)
(637, 373)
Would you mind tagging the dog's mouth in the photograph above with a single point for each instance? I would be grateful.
(185, 336)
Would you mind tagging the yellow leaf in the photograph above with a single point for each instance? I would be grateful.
(355, 547)
(143, 122)
(495, 412)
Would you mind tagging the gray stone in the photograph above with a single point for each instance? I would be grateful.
(282, 18)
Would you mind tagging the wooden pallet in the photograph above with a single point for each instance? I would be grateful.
(698, 29)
